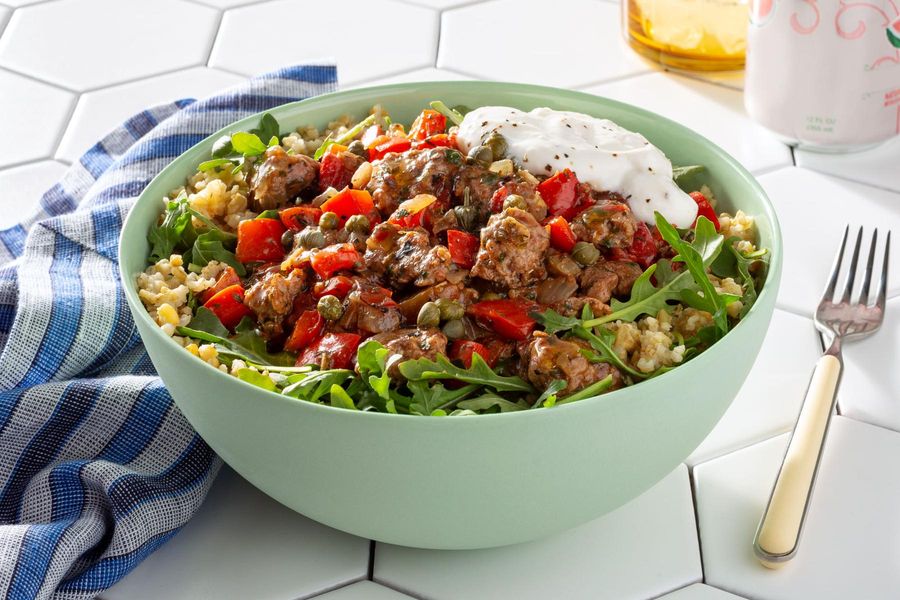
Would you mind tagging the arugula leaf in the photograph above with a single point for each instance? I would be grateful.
(206, 321)
(553, 322)
(269, 214)
(312, 386)
(595, 389)
(602, 344)
(374, 361)
(340, 398)
(175, 232)
(479, 373)
(346, 137)
(246, 345)
(268, 128)
(428, 398)
(488, 401)
(211, 246)
(697, 256)
(732, 263)
(222, 147)
(256, 378)
(214, 163)
(247, 144)
(679, 173)
(549, 396)
(448, 112)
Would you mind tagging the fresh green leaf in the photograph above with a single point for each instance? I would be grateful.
(269, 214)
(488, 401)
(246, 344)
(732, 263)
(247, 144)
(340, 398)
(175, 232)
(448, 112)
(273, 141)
(679, 173)
(479, 373)
(549, 395)
(214, 245)
(268, 128)
(312, 386)
(247, 337)
(256, 378)
(602, 345)
(462, 109)
(206, 320)
(595, 389)
(222, 147)
(374, 361)
(553, 322)
(214, 163)
(427, 398)
(320, 152)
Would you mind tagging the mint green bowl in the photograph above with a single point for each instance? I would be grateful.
(469, 482)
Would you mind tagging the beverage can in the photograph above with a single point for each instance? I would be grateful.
(825, 75)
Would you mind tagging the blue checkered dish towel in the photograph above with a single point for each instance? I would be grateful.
(98, 468)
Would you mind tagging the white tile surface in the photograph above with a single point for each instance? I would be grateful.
(100, 111)
(849, 546)
(713, 111)
(15, 3)
(641, 550)
(699, 591)
(441, 4)
(813, 210)
(33, 116)
(770, 400)
(878, 166)
(870, 388)
(21, 189)
(120, 41)
(242, 544)
(731, 79)
(346, 35)
(363, 590)
(513, 40)
(4, 17)
(427, 74)
(226, 4)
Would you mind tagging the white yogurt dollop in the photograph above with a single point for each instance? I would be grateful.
(599, 152)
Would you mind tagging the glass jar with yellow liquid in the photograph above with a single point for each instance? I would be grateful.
(701, 35)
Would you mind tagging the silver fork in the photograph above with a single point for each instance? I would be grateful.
(840, 320)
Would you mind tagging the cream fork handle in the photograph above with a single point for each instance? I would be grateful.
(779, 530)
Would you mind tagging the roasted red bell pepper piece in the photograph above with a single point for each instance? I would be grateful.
(644, 248)
(704, 209)
(229, 306)
(462, 350)
(463, 247)
(227, 278)
(560, 193)
(508, 318)
(340, 348)
(331, 259)
(429, 122)
(561, 236)
(441, 140)
(259, 240)
(385, 144)
(339, 286)
(307, 328)
(336, 170)
(347, 203)
(298, 217)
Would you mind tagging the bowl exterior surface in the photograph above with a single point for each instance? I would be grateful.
(472, 482)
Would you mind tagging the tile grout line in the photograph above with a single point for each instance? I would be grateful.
(140, 78)
(583, 86)
(68, 121)
(693, 485)
(32, 161)
(847, 179)
(333, 588)
(437, 42)
(215, 36)
(36, 79)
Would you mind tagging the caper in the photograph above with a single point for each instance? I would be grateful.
(357, 224)
(466, 216)
(515, 201)
(329, 220)
(358, 148)
(287, 239)
(497, 144)
(429, 316)
(450, 310)
(454, 329)
(311, 238)
(585, 253)
(330, 307)
(481, 155)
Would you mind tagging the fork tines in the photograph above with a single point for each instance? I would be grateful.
(865, 287)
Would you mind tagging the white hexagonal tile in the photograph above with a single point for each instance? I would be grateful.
(113, 41)
(363, 590)
(813, 210)
(513, 40)
(643, 549)
(699, 591)
(713, 111)
(33, 116)
(226, 4)
(730, 79)
(849, 544)
(427, 74)
(22, 188)
(98, 112)
(876, 166)
(345, 35)
(870, 387)
(441, 4)
(770, 399)
(15, 3)
(4, 17)
(242, 544)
